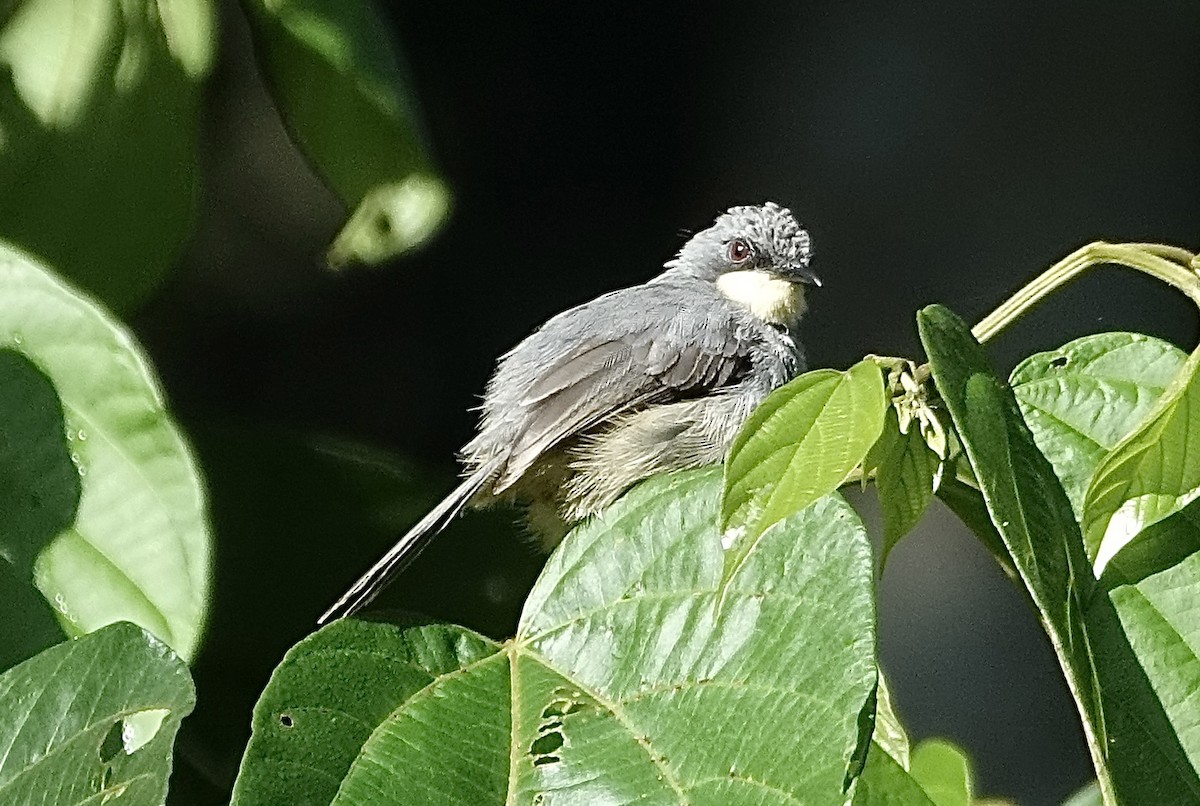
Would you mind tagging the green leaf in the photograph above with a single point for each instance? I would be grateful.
(935, 774)
(99, 104)
(357, 670)
(39, 493)
(1135, 749)
(338, 83)
(799, 445)
(884, 782)
(904, 473)
(889, 733)
(138, 549)
(943, 771)
(620, 655)
(1153, 473)
(1153, 582)
(1089, 795)
(1085, 397)
(92, 720)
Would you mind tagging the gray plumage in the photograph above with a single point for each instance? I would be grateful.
(644, 380)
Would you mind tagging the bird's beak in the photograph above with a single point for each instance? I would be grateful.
(803, 274)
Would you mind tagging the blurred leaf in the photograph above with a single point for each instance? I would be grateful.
(1153, 473)
(943, 771)
(1083, 398)
(884, 782)
(99, 103)
(139, 547)
(1133, 743)
(904, 472)
(39, 493)
(619, 656)
(1087, 796)
(802, 443)
(69, 726)
(337, 81)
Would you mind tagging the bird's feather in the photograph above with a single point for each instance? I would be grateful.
(643, 347)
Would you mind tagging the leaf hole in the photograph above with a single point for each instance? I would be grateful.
(111, 744)
(562, 707)
(1059, 362)
(286, 720)
(542, 761)
(547, 743)
(383, 225)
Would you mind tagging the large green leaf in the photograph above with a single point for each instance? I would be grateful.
(799, 445)
(138, 549)
(1135, 748)
(1153, 473)
(339, 86)
(621, 656)
(99, 104)
(39, 492)
(1085, 397)
(92, 721)
(359, 671)
(1151, 582)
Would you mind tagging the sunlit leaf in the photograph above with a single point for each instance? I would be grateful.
(341, 90)
(1153, 473)
(92, 720)
(1135, 748)
(99, 103)
(1085, 397)
(138, 549)
(799, 445)
(620, 655)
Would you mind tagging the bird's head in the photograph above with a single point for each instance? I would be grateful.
(758, 256)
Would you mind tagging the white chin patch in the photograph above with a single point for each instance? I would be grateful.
(765, 295)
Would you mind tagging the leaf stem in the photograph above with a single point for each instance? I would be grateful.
(1171, 264)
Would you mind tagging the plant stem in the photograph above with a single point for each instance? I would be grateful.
(1170, 264)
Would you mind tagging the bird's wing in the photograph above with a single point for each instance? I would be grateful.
(626, 350)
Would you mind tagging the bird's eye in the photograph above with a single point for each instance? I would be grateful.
(739, 251)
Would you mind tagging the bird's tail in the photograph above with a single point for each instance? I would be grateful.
(401, 555)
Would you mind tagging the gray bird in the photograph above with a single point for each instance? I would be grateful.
(644, 380)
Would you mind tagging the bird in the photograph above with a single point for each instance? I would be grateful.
(648, 379)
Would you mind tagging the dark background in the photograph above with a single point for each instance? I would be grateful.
(942, 152)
